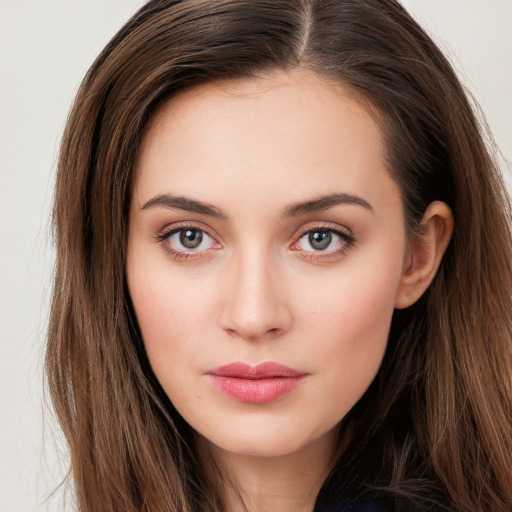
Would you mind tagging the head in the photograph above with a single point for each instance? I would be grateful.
(372, 58)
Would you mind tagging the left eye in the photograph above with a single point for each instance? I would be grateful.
(190, 239)
(323, 240)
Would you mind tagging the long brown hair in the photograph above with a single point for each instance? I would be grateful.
(434, 428)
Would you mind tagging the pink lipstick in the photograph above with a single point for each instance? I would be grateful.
(260, 384)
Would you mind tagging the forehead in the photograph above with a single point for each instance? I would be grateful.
(285, 134)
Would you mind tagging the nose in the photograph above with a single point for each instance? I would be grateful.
(256, 307)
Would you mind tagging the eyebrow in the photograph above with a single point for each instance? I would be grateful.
(324, 203)
(294, 210)
(186, 204)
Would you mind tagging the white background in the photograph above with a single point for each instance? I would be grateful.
(46, 47)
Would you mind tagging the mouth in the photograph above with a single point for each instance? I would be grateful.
(260, 384)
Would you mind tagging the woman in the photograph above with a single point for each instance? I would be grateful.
(284, 275)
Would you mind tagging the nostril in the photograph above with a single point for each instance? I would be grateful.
(274, 332)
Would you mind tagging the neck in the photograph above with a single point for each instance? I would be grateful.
(285, 483)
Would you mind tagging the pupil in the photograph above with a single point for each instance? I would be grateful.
(320, 239)
(190, 238)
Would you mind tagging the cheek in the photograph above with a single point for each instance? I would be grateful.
(357, 300)
(172, 312)
(350, 320)
(363, 322)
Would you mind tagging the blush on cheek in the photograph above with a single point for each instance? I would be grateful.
(360, 327)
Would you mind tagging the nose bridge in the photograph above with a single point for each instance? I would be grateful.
(256, 304)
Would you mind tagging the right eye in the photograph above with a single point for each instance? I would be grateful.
(186, 241)
(190, 239)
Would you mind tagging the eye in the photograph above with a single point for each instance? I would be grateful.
(318, 240)
(190, 239)
(186, 241)
(323, 240)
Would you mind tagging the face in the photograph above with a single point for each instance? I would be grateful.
(266, 249)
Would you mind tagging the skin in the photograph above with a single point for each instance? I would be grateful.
(256, 289)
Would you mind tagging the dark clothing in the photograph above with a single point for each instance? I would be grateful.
(366, 503)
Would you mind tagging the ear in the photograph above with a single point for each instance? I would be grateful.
(424, 254)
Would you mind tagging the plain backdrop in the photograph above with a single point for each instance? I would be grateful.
(46, 46)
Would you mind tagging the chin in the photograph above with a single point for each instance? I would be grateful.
(266, 448)
(266, 440)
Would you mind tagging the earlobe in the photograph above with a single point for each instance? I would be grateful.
(424, 254)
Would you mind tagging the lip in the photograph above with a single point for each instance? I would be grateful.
(260, 384)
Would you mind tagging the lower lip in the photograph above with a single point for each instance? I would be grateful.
(256, 391)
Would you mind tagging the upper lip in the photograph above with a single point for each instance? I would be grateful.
(266, 370)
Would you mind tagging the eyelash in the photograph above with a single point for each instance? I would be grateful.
(164, 236)
(347, 240)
